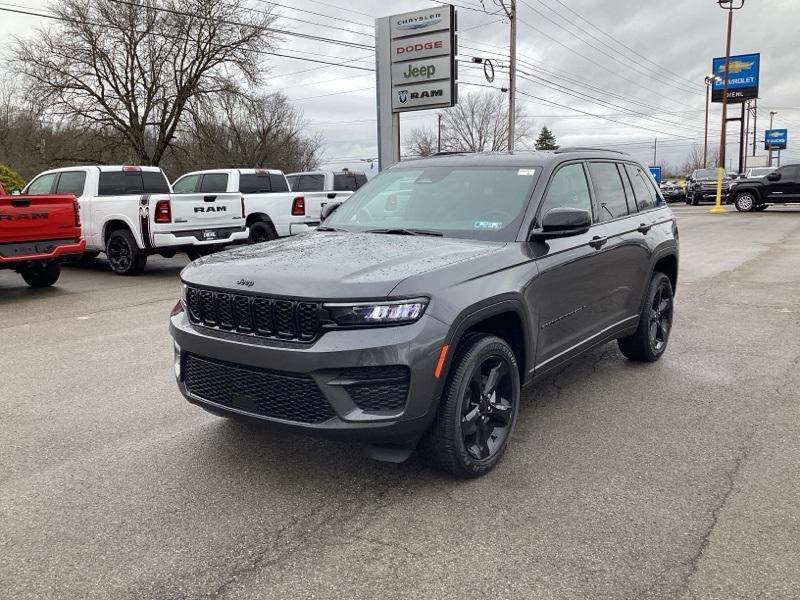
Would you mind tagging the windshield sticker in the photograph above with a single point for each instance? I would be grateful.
(488, 225)
(527, 172)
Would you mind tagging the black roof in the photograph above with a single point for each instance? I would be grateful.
(517, 159)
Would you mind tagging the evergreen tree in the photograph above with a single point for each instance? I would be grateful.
(546, 140)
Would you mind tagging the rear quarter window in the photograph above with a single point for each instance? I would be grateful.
(643, 188)
(278, 183)
(344, 182)
(310, 183)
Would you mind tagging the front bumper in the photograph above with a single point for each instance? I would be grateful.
(327, 365)
(227, 235)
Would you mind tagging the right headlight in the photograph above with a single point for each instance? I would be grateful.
(397, 312)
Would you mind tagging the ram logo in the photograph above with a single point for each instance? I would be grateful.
(209, 209)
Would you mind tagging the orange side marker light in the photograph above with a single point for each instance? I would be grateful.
(440, 363)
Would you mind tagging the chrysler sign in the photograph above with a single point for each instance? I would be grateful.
(422, 49)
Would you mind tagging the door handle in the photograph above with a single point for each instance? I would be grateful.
(644, 228)
(598, 242)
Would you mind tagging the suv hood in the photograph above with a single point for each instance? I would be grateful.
(329, 266)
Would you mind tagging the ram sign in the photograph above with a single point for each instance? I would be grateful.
(776, 139)
(423, 52)
(743, 72)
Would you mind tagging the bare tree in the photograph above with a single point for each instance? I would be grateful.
(422, 141)
(130, 69)
(479, 122)
(237, 130)
(694, 159)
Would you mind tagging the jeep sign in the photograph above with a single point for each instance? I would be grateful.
(415, 71)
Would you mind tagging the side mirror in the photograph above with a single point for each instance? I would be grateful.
(563, 222)
(16, 192)
(328, 209)
(774, 176)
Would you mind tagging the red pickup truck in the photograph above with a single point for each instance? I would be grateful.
(37, 233)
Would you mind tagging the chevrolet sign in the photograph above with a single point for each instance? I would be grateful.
(743, 72)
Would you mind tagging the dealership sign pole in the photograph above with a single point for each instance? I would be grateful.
(415, 70)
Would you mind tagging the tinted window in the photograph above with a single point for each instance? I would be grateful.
(186, 185)
(214, 182)
(254, 184)
(568, 189)
(608, 190)
(310, 183)
(41, 185)
(344, 182)
(462, 202)
(292, 179)
(278, 183)
(643, 189)
(71, 182)
(129, 183)
(792, 172)
(361, 180)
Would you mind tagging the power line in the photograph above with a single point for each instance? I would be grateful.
(327, 26)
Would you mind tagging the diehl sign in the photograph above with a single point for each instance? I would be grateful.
(743, 75)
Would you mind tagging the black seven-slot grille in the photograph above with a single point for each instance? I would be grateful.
(262, 392)
(254, 315)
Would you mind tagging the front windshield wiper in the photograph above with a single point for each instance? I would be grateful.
(401, 231)
(329, 228)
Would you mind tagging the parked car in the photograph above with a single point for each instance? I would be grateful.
(130, 213)
(37, 233)
(271, 209)
(672, 192)
(782, 186)
(419, 308)
(701, 186)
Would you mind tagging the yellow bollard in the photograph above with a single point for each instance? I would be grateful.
(717, 209)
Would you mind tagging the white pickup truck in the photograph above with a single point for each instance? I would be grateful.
(327, 181)
(272, 210)
(130, 212)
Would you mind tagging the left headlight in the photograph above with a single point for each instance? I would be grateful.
(398, 312)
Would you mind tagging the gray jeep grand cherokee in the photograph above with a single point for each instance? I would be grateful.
(421, 306)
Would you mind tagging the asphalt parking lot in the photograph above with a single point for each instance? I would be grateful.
(679, 479)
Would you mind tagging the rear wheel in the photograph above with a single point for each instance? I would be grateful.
(478, 411)
(745, 202)
(262, 231)
(124, 254)
(41, 275)
(650, 340)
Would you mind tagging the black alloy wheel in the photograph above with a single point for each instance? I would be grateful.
(478, 409)
(123, 254)
(649, 342)
(660, 318)
(261, 231)
(487, 408)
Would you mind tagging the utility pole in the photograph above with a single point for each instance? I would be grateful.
(772, 114)
(655, 153)
(511, 13)
(755, 124)
(439, 138)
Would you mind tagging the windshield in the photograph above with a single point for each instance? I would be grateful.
(485, 203)
(760, 172)
(709, 174)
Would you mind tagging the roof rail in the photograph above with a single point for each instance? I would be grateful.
(586, 149)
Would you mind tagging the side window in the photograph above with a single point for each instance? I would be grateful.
(120, 183)
(71, 182)
(644, 191)
(186, 185)
(214, 183)
(344, 182)
(278, 183)
(792, 173)
(42, 185)
(568, 189)
(254, 184)
(608, 189)
(311, 183)
(292, 179)
(361, 180)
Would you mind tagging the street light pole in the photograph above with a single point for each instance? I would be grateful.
(722, 141)
(512, 74)
(710, 80)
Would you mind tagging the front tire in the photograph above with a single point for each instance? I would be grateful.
(650, 340)
(478, 410)
(41, 275)
(124, 255)
(745, 202)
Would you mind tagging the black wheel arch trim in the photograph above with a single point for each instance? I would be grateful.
(258, 217)
(668, 250)
(480, 312)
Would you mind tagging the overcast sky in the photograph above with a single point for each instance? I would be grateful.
(680, 36)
